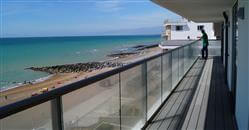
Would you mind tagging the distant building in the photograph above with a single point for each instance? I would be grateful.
(184, 29)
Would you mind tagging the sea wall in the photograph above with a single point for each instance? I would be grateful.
(78, 67)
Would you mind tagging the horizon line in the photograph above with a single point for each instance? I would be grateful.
(82, 36)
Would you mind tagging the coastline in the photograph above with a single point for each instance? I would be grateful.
(61, 79)
(42, 79)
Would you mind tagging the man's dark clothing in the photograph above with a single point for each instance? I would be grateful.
(204, 52)
(205, 46)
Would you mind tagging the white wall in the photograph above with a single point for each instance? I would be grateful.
(191, 30)
(230, 40)
(224, 45)
(229, 65)
(242, 102)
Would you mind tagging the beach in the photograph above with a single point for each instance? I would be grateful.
(93, 107)
(62, 79)
(53, 62)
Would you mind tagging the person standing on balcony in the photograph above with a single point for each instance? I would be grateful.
(204, 44)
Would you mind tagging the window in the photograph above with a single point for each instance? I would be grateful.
(179, 28)
(200, 27)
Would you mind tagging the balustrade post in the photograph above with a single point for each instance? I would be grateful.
(57, 114)
(145, 84)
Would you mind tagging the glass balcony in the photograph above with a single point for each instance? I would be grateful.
(122, 98)
(35, 118)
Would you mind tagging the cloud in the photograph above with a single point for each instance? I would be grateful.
(109, 5)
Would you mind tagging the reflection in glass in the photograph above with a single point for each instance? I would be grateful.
(133, 98)
(35, 118)
(154, 85)
(93, 107)
(167, 75)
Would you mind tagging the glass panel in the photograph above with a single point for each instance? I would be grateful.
(195, 48)
(154, 85)
(167, 75)
(187, 60)
(181, 63)
(93, 107)
(192, 50)
(190, 53)
(198, 47)
(175, 68)
(35, 118)
(214, 48)
(133, 98)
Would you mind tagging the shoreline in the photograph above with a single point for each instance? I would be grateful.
(20, 84)
(61, 79)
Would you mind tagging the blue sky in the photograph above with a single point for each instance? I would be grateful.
(27, 18)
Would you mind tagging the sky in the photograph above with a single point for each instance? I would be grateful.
(35, 18)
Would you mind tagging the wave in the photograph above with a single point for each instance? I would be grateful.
(93, 51)
(16, 85)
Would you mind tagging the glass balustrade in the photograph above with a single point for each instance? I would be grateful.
(124, 100)
(133, 97)
(95, 106)
(35, 118)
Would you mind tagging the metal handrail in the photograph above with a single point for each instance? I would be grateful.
(27, 103)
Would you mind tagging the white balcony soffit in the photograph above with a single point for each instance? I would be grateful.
(198, 10)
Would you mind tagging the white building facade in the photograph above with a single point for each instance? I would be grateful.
(183, 29)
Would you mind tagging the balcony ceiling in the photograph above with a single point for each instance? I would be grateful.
(198, 10)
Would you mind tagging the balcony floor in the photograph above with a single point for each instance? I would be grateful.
(200, 101)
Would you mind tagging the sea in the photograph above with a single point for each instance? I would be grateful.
(17, 54)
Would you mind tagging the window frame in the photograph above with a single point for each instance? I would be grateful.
(179, 27)
(200, 27)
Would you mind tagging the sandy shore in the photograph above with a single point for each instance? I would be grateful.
(89, 107)
(59, 80)
(55, 81)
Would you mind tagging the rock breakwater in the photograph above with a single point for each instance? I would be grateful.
(78, 67)
(132, 50)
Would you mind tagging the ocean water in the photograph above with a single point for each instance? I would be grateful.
(16, 54)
